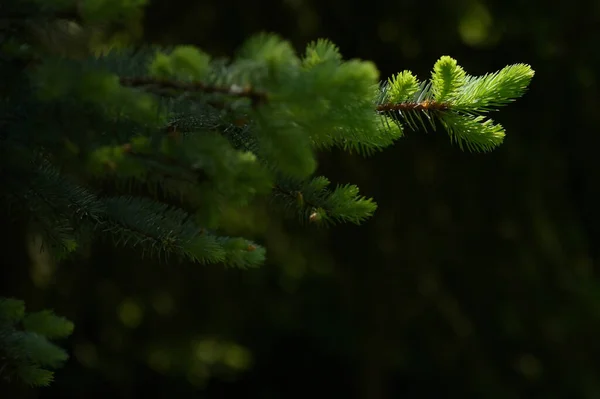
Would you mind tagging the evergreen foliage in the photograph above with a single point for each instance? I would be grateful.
(27, 352)
(151, 146)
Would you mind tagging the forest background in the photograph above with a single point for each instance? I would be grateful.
(477, 276)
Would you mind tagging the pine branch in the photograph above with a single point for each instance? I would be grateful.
(454, 99)
(217, 133)
(162, 229)
(313, 202)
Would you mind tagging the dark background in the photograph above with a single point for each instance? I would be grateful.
(477, 277)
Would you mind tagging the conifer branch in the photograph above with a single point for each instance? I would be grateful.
(455, 100)
(314, 202)
(183, 115)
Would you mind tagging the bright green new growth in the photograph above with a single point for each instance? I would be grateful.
(27, 353)
(402, 87)
(185, 63)
(154, 147)
(456, 100)
(447, 79)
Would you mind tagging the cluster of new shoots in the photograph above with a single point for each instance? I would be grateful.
(459, 102)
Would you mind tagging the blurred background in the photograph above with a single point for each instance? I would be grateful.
(476, 278)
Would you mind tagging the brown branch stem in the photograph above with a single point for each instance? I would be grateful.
(427, 105)
(255, 97)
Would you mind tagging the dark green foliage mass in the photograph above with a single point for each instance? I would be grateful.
(153, 147)
(24, 338)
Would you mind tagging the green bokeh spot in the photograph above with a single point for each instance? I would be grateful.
(475, 25)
